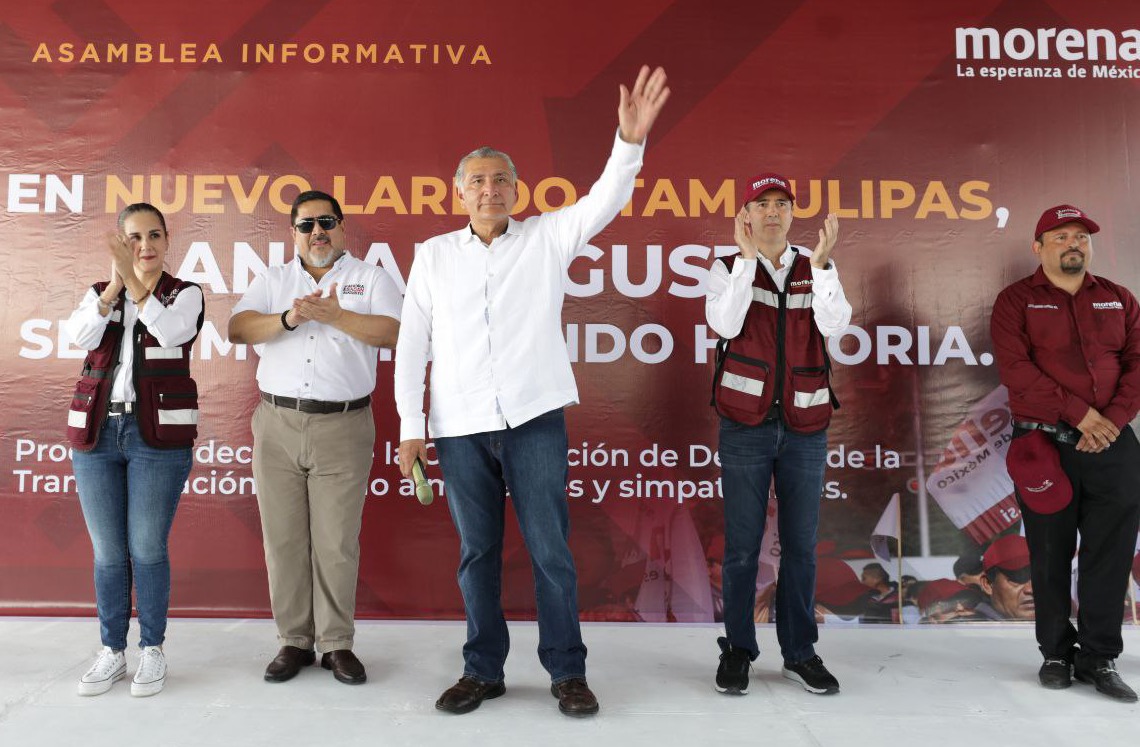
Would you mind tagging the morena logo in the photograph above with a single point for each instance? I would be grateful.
(770, 180)
(1072, 45)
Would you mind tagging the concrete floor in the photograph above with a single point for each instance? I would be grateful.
(900, 686)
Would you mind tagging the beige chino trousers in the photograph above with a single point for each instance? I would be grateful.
(312, 473)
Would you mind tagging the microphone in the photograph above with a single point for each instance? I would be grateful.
(424, 492)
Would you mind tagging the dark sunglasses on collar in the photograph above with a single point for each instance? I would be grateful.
(326, 222)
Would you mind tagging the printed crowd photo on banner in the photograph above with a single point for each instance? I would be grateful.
(918, 185)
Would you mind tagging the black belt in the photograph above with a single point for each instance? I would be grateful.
(1060, 433)
(316, 406)
(120, 408)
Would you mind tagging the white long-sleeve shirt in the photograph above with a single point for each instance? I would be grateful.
(490, 317)
(171, 325)
(729, 295)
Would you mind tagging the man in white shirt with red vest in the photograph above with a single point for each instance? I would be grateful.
(773, 306)
(486, 303)
(322, 319)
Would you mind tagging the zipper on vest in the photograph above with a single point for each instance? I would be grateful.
(781, 323)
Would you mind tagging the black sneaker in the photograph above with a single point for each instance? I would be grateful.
(813, 675)
(732, 674)
(1102, 673)
(1056, 673)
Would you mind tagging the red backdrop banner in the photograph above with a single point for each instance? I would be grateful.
(936, 132)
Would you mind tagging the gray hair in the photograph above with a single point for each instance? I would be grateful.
(484, 152)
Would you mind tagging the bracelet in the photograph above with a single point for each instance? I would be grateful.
(284, 323)
(102, 304)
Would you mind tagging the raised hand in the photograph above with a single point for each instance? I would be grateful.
(296, 316)
(638, 109)
(114, 285)
(827, 238)
(742, 233)
(325, 310)
(122, 258)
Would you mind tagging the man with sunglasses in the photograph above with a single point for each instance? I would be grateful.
(322, 319)
(486, 303)
(1067, 344)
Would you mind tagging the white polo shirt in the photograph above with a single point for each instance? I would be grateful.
(318, 361)
(490, 317)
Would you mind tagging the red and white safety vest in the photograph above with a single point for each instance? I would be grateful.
(778, 362)
(166, 403)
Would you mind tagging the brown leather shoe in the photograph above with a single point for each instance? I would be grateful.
(345, 666)
(466, 695)
(288, 663)
(574, 697)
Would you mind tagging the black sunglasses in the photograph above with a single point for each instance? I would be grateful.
(326, 222)
(1019, 576)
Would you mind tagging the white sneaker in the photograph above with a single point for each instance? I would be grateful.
(109, 668)
(151, 674)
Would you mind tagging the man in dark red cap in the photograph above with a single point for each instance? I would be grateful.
(1006, 581)
(1068, 348)
(773, 306)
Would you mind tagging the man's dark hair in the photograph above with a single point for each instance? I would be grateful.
(877, 571)
(311, 196)
(968, 563)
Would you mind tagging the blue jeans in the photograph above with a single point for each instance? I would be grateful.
(750, 456)
(478, 469)
(129, 492)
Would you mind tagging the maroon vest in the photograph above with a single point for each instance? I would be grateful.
(166, 404)
(779, 359)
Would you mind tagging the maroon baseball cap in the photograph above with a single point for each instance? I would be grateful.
(939, 590)
(836, 584)
(1035, 468)
(1062, 214)
(1009, 553)
(758, 185)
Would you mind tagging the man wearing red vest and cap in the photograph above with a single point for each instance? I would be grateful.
(1068, 348)
(773, 304)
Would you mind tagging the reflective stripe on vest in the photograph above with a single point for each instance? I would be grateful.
(768, 298)
(177, 417)
(811, 399)
(742, 384)
(164, 353)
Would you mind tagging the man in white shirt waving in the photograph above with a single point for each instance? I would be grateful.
(486, 303)
(322, 319)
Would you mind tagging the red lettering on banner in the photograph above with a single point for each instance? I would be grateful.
(994, 520)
